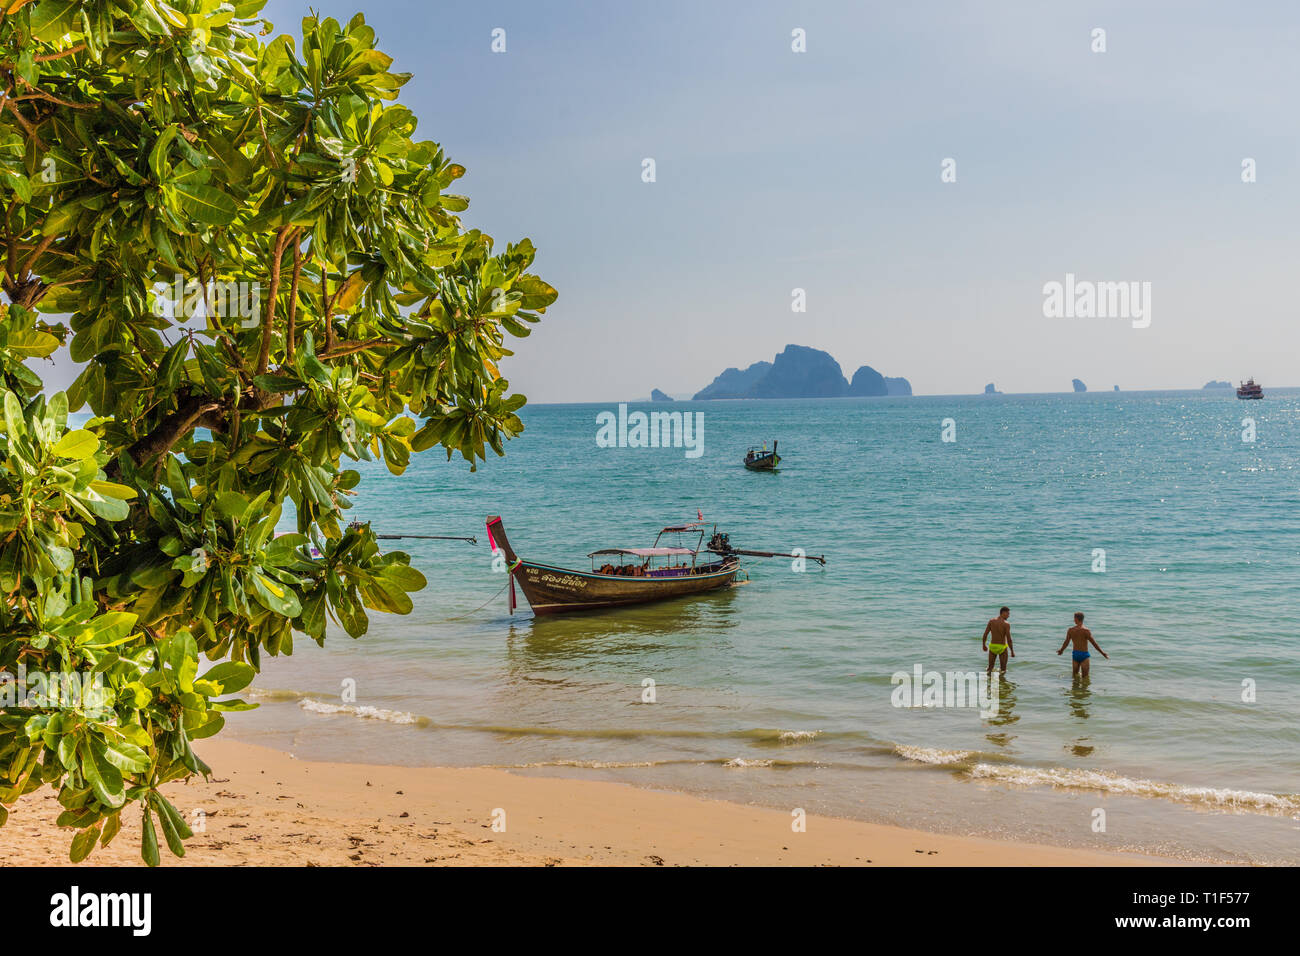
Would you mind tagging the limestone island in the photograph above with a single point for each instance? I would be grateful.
(801, 372)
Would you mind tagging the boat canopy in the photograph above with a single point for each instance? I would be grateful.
(643, 552)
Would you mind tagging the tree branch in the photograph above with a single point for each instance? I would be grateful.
(291, 326)
(349, 348)
(28, 128)
(35, 253)
(192, 411)
(282, 236)
(47, 57)
(189, 411)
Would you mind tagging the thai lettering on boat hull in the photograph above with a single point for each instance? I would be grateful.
(566, 582)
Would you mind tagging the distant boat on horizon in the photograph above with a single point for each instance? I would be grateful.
(1249, 389)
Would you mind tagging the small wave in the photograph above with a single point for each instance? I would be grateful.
(272, 694)
(313, 706)
(1241, 801)
(794, 736)
(592, 764)
(758, 735)
(744, 764)
(931, 755)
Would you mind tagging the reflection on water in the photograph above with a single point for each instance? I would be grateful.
(1078, 697)
(1006, 715)
(570, 640)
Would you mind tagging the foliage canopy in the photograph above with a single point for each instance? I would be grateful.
(261, 272)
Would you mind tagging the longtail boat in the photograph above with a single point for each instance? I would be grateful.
(760, 459)
(618, 576)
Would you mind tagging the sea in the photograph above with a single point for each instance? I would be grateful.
(1170, 519)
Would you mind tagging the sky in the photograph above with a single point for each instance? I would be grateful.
(778, 170)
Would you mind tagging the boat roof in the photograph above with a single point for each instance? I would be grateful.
(643, 552)
(679, 528)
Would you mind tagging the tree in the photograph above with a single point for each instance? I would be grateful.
(258, 266)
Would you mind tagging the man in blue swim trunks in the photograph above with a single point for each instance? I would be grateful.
(1081, 637)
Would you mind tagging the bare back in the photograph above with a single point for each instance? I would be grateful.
(1079, 637)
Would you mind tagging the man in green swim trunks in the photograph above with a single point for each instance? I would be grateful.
(1000, 628)
(1081, 637)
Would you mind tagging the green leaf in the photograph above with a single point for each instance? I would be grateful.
(104, 778)
(112, 825)
(77, 445)
(182, 656)
(206, 204)
(31, 343)
(173, 826)
(274, 596)
(111, 489)
(233, 676)
(126, 756)
(149, 840)
(50, 19)
(232, 504)
(172, 366)
(83, 843)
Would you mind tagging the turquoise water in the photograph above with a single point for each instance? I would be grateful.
(779, 691)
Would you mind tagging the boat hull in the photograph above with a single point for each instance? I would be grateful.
(767, 463)
(552, 590)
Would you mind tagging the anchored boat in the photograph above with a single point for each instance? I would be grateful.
(618, 576)
(760, 459)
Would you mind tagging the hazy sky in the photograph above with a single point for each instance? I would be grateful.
(821, 170)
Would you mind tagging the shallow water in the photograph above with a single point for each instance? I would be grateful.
(782, 691)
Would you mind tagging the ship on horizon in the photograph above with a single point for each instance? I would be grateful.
(1248, 389)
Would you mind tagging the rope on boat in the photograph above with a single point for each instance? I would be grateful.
(461, 617)
(509, 581)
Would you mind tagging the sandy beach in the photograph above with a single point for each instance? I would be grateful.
(267, 808)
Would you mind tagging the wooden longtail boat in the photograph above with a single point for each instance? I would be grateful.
(760, 459)
(634, 579)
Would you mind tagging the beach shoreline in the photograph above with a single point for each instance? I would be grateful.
(264, 807)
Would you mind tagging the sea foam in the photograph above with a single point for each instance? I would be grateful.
(1240, 801)
(368, 713)
(931, 755)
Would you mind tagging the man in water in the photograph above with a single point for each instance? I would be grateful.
(1000, 628)
(1081, 637)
